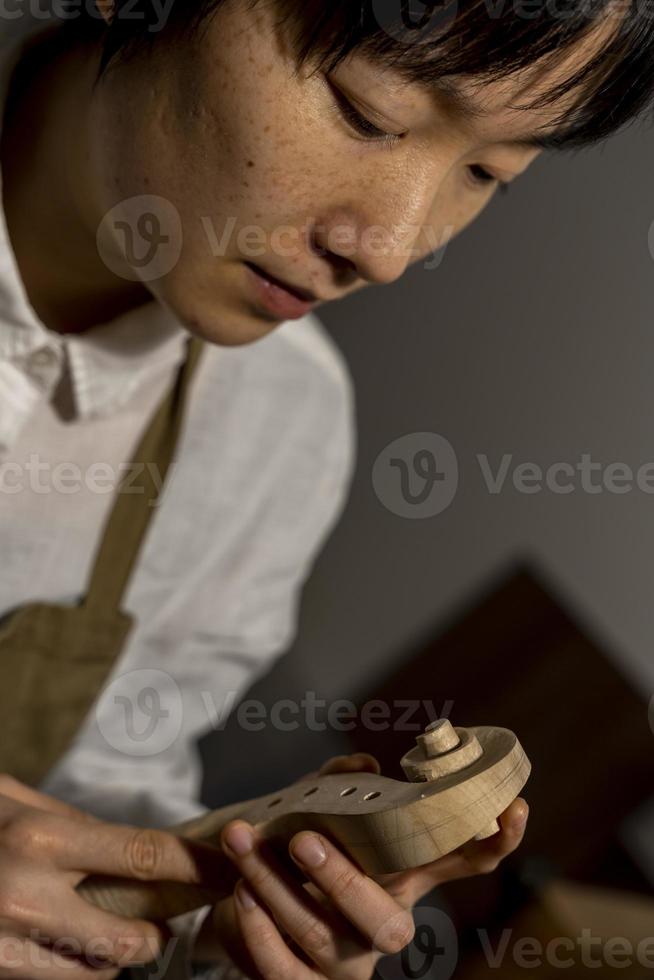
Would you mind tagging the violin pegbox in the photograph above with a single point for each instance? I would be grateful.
(461, 779)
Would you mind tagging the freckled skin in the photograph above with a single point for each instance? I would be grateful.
(224, 128)
(243, 111)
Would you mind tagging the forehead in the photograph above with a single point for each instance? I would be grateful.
(509, 103)
(521, 91)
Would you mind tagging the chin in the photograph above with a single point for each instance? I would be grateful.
(217, 308)
(229, 335)
(217, 324)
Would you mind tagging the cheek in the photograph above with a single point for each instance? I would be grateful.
(246, 122)
(248, 164)
(234, 145)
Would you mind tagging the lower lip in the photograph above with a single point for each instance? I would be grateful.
(277, 300)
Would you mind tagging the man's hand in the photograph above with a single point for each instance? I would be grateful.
(339, 922)
(47, 930)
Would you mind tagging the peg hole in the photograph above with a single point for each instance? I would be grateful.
(310, 792)
(349, 791)
(372, 796)
(275, 802)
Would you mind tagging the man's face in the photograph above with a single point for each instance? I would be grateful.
(263, 167)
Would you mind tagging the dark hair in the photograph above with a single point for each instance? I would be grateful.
(484, 39)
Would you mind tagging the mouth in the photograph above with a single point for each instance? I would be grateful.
(279, 297)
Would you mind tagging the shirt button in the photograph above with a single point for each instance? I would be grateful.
(45, 357)
(43, 367)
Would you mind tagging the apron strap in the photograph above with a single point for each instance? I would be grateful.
(129, 519)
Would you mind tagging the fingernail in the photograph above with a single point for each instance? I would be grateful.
(245, 896)
(309, 851)
(239, 840)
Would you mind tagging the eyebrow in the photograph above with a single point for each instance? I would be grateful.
(462, 105)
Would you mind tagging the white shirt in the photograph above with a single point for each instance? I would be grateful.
(260, 477)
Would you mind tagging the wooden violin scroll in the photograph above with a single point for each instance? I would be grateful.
(462, 779)
(442, 750)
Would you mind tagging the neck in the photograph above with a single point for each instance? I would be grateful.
(48, 189)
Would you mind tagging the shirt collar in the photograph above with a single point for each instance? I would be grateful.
(107, 363)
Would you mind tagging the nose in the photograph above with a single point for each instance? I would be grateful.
(375, 242)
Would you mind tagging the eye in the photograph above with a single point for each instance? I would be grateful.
(361, 125)
(481, 177)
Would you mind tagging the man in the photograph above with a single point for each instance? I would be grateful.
(215, 172)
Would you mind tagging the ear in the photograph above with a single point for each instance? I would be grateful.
(106, 9)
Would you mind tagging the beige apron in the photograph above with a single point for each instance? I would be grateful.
(54, 659)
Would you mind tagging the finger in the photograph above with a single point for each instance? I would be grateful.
(473, 858)
(263, 940)
(25, 958)
(120, 850)
(42, 911)
(15, 790)
(357, 762)
(358, 897)
(116, 939)
(484, 856)
(320, 933)
(220, 938)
